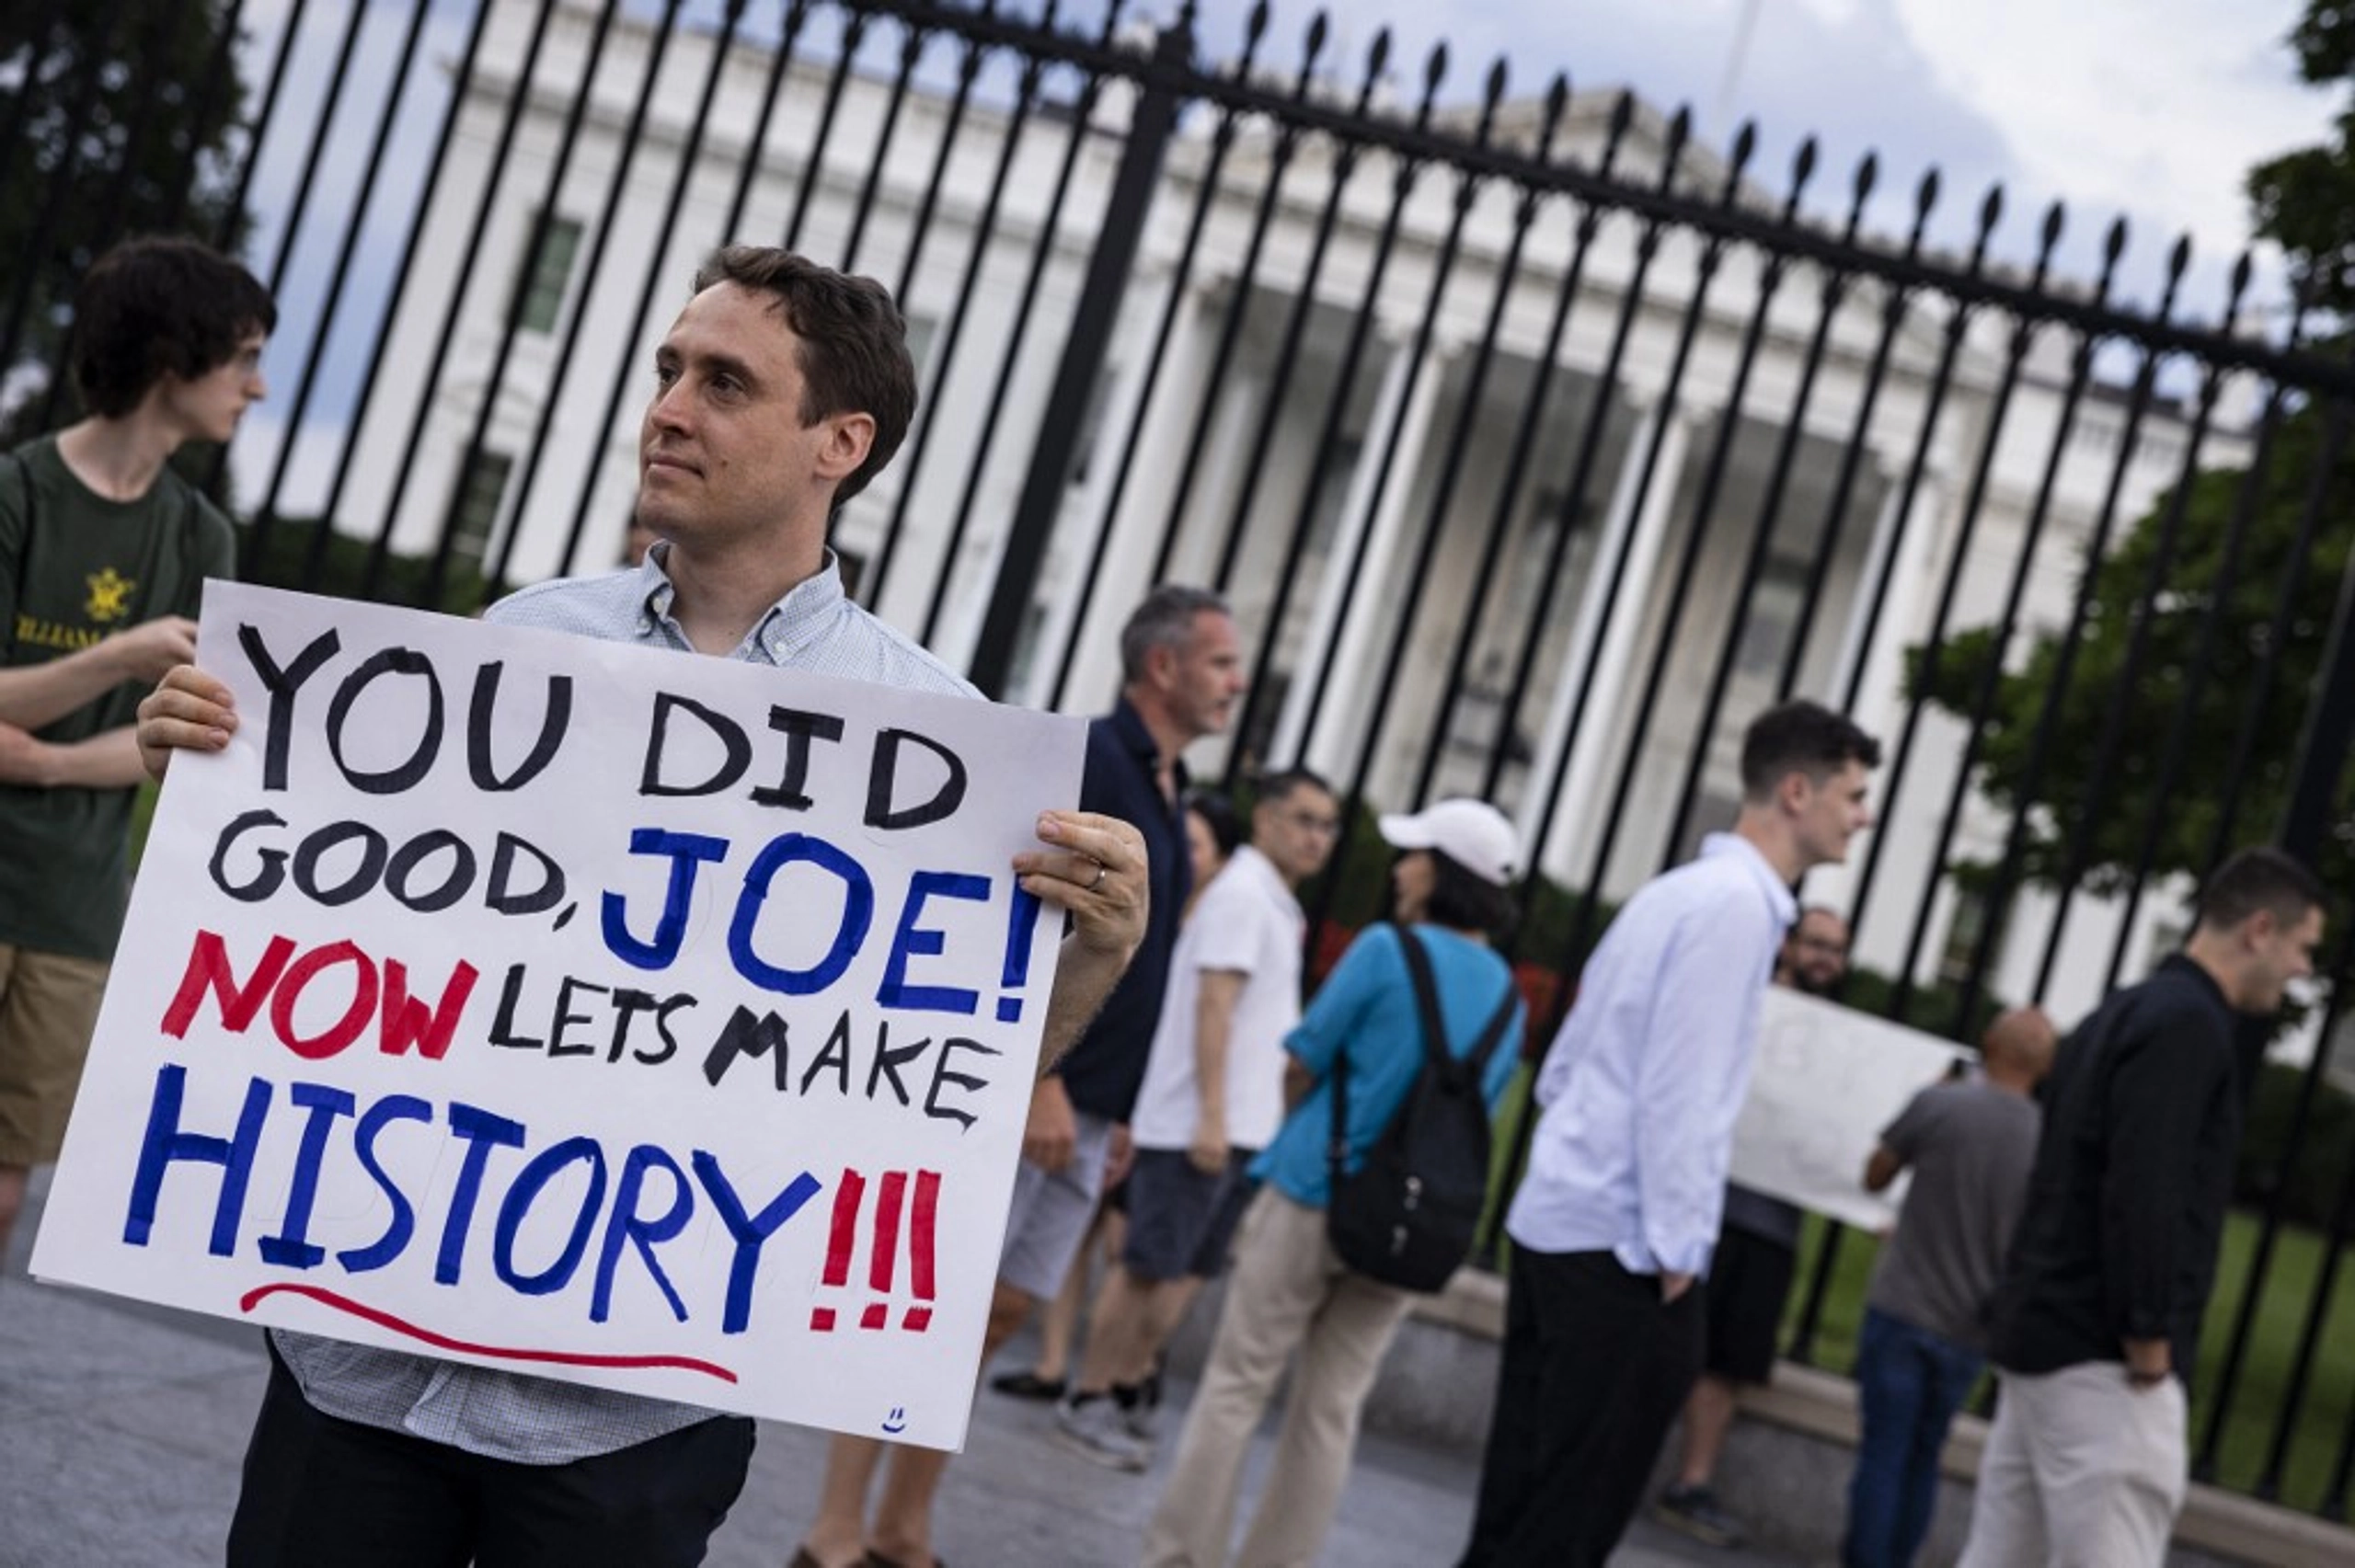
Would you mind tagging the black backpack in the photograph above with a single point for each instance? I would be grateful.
(1406, 1217)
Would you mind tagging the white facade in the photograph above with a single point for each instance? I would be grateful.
(1404, 417)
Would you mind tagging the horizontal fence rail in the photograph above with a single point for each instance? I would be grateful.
(1537, 445)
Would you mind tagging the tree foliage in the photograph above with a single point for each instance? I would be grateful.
(2086, 759)
(124, 122)
(2305, 199)
(2104, 782)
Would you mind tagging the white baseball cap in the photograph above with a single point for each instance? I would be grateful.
(1473, 834)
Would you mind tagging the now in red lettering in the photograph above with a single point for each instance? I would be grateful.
(405, 1022)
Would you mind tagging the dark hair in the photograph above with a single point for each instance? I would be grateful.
(2257, 879)
(155, 306)
(1219, 815)
(1465, 901)
(1800, 737)
(1284, 783)
(854, 352)
(1163, 618)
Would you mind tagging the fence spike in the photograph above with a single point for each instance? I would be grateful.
(1377, 59)
(1255, 25)
(1991, 211)
(2056, 219)
(1745, 142)
(1313, 45)
(1496, 87)
(1434, 68)
(1867, 175)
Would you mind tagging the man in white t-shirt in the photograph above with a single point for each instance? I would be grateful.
(1213, 1095)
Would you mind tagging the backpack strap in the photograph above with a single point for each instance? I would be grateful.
(24, 554)
(1472, 1064)
(1419, 971)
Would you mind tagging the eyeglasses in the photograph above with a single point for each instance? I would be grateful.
(1311, 822)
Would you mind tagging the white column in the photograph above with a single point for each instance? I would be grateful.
(1640, 519)
(1332, 587)
(1096, 670)
(1371, 619)
(1162, 429)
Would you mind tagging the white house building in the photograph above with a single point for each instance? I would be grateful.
(853, 167)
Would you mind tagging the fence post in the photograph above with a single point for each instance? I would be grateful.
(1084, 351)
(2330, 726)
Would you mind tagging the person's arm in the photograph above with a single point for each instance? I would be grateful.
(1216, 993)
(107, 760)
(1697, 1007)
(2166, 1070)
(32, 695)
(1095, 872)
(1900, 1141)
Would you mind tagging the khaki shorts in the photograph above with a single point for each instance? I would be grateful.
(48, 1006)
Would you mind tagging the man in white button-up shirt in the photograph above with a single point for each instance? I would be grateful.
(1619, 1213)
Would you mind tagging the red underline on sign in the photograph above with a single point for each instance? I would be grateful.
(383, 1319)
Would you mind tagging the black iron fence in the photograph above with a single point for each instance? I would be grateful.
(1537, 445)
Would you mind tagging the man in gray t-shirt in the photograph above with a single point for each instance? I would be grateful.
(1970, 1146)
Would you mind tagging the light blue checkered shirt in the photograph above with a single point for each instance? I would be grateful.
(509, 1415)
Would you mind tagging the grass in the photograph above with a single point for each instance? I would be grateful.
(2268, 1367)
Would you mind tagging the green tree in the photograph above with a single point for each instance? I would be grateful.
(2095, 795)
(123, 119)
(2305, 199)
(2082, 750)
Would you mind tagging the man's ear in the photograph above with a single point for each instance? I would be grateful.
(1796, 791)
(849, 438)
(1160, 665)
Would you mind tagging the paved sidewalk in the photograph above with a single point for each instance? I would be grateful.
(122, 1426)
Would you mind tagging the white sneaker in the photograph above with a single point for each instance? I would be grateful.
(1092, 1428)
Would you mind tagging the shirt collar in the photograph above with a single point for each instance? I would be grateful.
(1777, 893)
(1128, 725)
(807, 609)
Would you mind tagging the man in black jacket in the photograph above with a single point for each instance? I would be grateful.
(2098, 1318)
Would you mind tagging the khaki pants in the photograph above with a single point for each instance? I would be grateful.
(1287, 1291)
(48, 1004)
(2082, 1470)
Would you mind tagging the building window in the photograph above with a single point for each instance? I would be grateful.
(473, 520)
(1974, 915)
(1091, 426)
(1776, 603)
(540, 300)
(922, 333)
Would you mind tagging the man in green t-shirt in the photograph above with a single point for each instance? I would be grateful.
(104, 551)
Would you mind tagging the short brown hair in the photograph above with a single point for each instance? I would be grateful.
(2263, 878)
(155, 306)
(854, 356)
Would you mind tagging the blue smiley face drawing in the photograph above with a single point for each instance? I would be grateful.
(895, 1423)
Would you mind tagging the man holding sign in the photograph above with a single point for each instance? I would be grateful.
(781, 389)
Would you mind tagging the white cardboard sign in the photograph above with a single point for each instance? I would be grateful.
(655, 1022)
(1826, 1080)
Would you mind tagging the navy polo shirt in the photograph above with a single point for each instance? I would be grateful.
(1102, 1073)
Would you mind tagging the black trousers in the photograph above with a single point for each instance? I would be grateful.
(324, 1493)
(1595, 1369)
